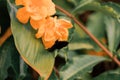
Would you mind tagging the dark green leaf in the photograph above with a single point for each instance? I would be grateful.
(83, 43)
(95, 25)
(82, 3)
(75, 2)
(53, 76)
(108, 8)
(9, 57)
(79, 67)
(110, 75)
(64, 4)
(113, 33)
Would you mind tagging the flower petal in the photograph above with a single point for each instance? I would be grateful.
(49, 35)
(51, 9)
(39, 13)
(64, 34)
(50, 29)
(49, 5)
(37, 23)
(22, 15)
(40, 32)
(64, 23)
(48, 44)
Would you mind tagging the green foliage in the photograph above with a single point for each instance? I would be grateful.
(113, 33)
(108, 8)
(11, 65)
(8, 58)
(52, 77)
(65, 4)
(103, 22)
(110, 75)
(83, 3)
(95, 25)
(79, 67)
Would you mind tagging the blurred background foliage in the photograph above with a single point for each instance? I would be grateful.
(82, 59)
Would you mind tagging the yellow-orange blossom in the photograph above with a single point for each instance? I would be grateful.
(34, 9)
(49, 28)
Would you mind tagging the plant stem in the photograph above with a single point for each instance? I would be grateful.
(90, 35)
(6, 35)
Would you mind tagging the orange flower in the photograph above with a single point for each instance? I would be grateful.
(62, 29)
(34, 9)
(52, 29)
(49, 29)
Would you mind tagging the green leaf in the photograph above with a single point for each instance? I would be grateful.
(75, 2)
(22, 70)
(109, 75)
(118, 53)
(8, 58)
(115, 10)
(80, 67)
(80, 45)
(4, 60)
(52, 77)
(64, 4)
(113, 33)
(82, 3)
(10, 62)
(31, 49)
(83, 43)
(108, 8)
(95, 25)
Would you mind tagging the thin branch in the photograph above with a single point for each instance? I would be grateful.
(56, 71)
(7, 34)
(90, 34)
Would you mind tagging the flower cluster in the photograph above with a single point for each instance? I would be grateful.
(39, 12)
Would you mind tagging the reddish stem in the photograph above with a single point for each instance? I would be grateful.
(5, 36)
